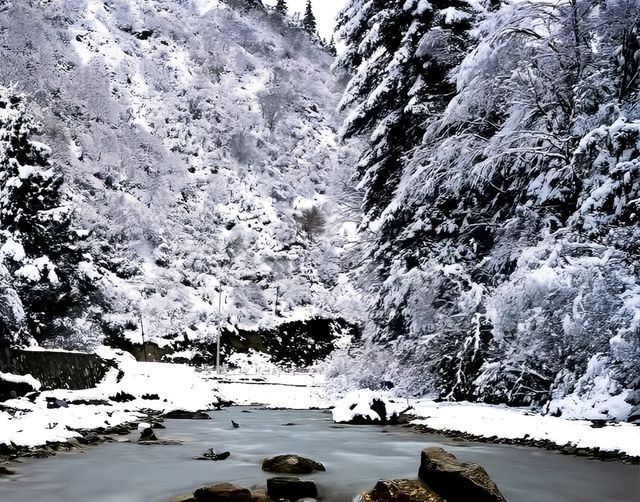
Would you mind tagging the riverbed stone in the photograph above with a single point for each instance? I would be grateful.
(183, 498)
(455, 480)
(259, 496)
(222, 492)
(5, 471)
(187, 415)
(213, 455)
(147, 435)
(291, 464)
(401, 490)
(291, 488)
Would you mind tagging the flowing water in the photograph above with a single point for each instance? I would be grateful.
(355, 457)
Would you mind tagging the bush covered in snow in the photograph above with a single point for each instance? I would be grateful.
(367, 407)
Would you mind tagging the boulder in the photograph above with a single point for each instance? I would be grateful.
(222, 492)
(291, 464)
(457, 481)
(401, 490)
(122, 397)
(120, 430)
(91, 438)
(5, 471)
(365, 407)
(53, 403)
(259, 496)
(148, 435)
(187, 415)
(290, 488)
(183, 498)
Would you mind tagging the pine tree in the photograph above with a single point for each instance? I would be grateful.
(39, 246)
(254, 4)
(282, 7)
(331, 46)
(407, 60)
(309, 21)
(484, 187)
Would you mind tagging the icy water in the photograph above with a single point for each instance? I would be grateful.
(355, 457)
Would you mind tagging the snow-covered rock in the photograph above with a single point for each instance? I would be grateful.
(367, 407)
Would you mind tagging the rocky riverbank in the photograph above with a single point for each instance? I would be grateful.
(567, 449)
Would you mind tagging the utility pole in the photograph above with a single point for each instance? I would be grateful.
(144, 343)
(219, 331)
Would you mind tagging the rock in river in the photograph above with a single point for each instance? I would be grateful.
(457, 481)
(187, 415)
(290, 488)
(211, 454)
(147, 435)
(5, 471)
(222, 492)
(291, 464)
(401, 490)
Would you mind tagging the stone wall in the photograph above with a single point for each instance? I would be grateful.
(55, 370)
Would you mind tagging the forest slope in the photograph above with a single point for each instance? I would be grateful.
(197, 143)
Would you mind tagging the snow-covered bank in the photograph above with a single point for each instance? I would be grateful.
(495, 422)
(297, 391)
(132, 389)
(521, 424)
(127, 389)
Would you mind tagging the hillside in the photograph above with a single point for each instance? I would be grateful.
(501, 189)
(197, 143)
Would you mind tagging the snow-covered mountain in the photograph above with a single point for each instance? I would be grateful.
(197, 141)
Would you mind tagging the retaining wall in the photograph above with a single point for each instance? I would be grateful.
(55, 369)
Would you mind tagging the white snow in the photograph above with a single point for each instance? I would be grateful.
(177, 386)
(358, 403)
(514, 423)
(13, 250)
(28, 379)
(298, 391)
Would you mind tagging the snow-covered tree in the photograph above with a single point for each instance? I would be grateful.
(39, 247)
(401, 54)
(309, 20)
(505, 229)
(282, 7)
(188, 175)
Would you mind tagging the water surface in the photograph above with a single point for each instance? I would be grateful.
(355, 457)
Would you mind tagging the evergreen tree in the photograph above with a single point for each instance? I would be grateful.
(505, 225)
(406, 63)
(331, 46)
(282, 7)
(309, 21)
(254, 4)
(38, 245)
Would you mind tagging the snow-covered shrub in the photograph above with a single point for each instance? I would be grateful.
(366, 406)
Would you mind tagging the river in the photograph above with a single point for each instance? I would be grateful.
(355, 457)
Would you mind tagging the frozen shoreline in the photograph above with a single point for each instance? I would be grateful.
(160, 388)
